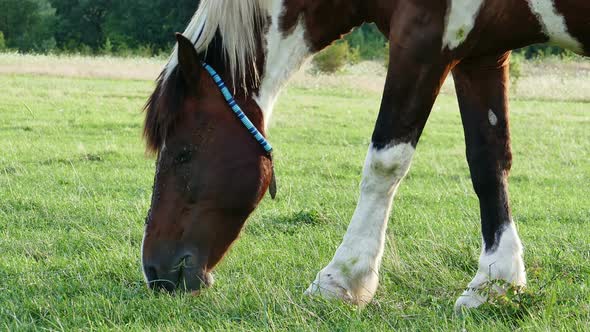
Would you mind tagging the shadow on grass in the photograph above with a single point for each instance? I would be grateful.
(83, 158)
(287, 224)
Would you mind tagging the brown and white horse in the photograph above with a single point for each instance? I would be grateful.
(211, 174)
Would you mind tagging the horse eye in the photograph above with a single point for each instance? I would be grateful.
(183, 157)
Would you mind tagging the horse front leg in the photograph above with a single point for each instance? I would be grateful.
(413, 82)
(482, 90)
(353, 273)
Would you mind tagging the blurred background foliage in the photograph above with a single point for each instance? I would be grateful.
(122, 27)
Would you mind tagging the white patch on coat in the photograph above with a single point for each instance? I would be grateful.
(460, 20)
(285, 54)
(554, 25)
(353, 273)
(505, 263)
(492, 118)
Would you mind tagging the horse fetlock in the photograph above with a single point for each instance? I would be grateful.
(482, 288)
(498, 271)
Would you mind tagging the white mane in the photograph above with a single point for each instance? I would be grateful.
(237, 21)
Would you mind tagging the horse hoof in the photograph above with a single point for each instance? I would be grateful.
(328, 286)
(468, 300)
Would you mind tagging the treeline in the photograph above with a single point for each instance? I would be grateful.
(133, 27)
(123, 27)
(144, 27)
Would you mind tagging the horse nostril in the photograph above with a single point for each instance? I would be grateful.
(159, 279)
(188, 274)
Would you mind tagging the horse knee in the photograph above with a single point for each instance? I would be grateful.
(387, 166)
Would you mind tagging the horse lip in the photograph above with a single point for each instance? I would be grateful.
(164, 278)
(194, 275)
(188, 274)
(163, 284)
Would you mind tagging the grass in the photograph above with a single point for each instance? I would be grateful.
(102, 66)
(75, 188)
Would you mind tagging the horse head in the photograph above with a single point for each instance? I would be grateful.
(211, 174)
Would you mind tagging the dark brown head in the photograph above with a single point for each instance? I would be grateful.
(211, 174)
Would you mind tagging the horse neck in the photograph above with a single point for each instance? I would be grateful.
(293, 37)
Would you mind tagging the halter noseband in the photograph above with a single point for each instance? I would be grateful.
(245, 121)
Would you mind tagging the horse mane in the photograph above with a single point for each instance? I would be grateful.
(237, 22)
(226, 34)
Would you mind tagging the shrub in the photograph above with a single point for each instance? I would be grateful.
(354, 55)
(368, 40)
(145, 51)
(568, 55)
(84, 49)
(516, 61)
(333, 58)
(385, 54)
(2, 42)
(107, 47)
(540, 51)
(48, 45)
(70, 46)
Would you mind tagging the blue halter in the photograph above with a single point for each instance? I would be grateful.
(237, 110)
(247, 123)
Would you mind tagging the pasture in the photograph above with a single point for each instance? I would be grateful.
(75, 187)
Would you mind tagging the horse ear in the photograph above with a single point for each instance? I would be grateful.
(188, 61)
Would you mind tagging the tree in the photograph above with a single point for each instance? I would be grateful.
(368, 40)
(81, 22)
(139, 23)
(28, 25)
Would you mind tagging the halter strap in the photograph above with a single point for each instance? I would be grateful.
(229, 98)
(237, 110)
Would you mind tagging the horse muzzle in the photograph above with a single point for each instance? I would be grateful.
(186, 275)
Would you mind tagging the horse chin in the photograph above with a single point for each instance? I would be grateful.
(207, 281)
(193, 283)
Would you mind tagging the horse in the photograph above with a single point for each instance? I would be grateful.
(211, 174)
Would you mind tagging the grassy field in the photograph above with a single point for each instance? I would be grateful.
(75, 188)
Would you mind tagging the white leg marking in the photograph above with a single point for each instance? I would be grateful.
(460, 20)
(505, 263)
(284, 56)
(353, 273)
(554, 25)
(493, 118)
